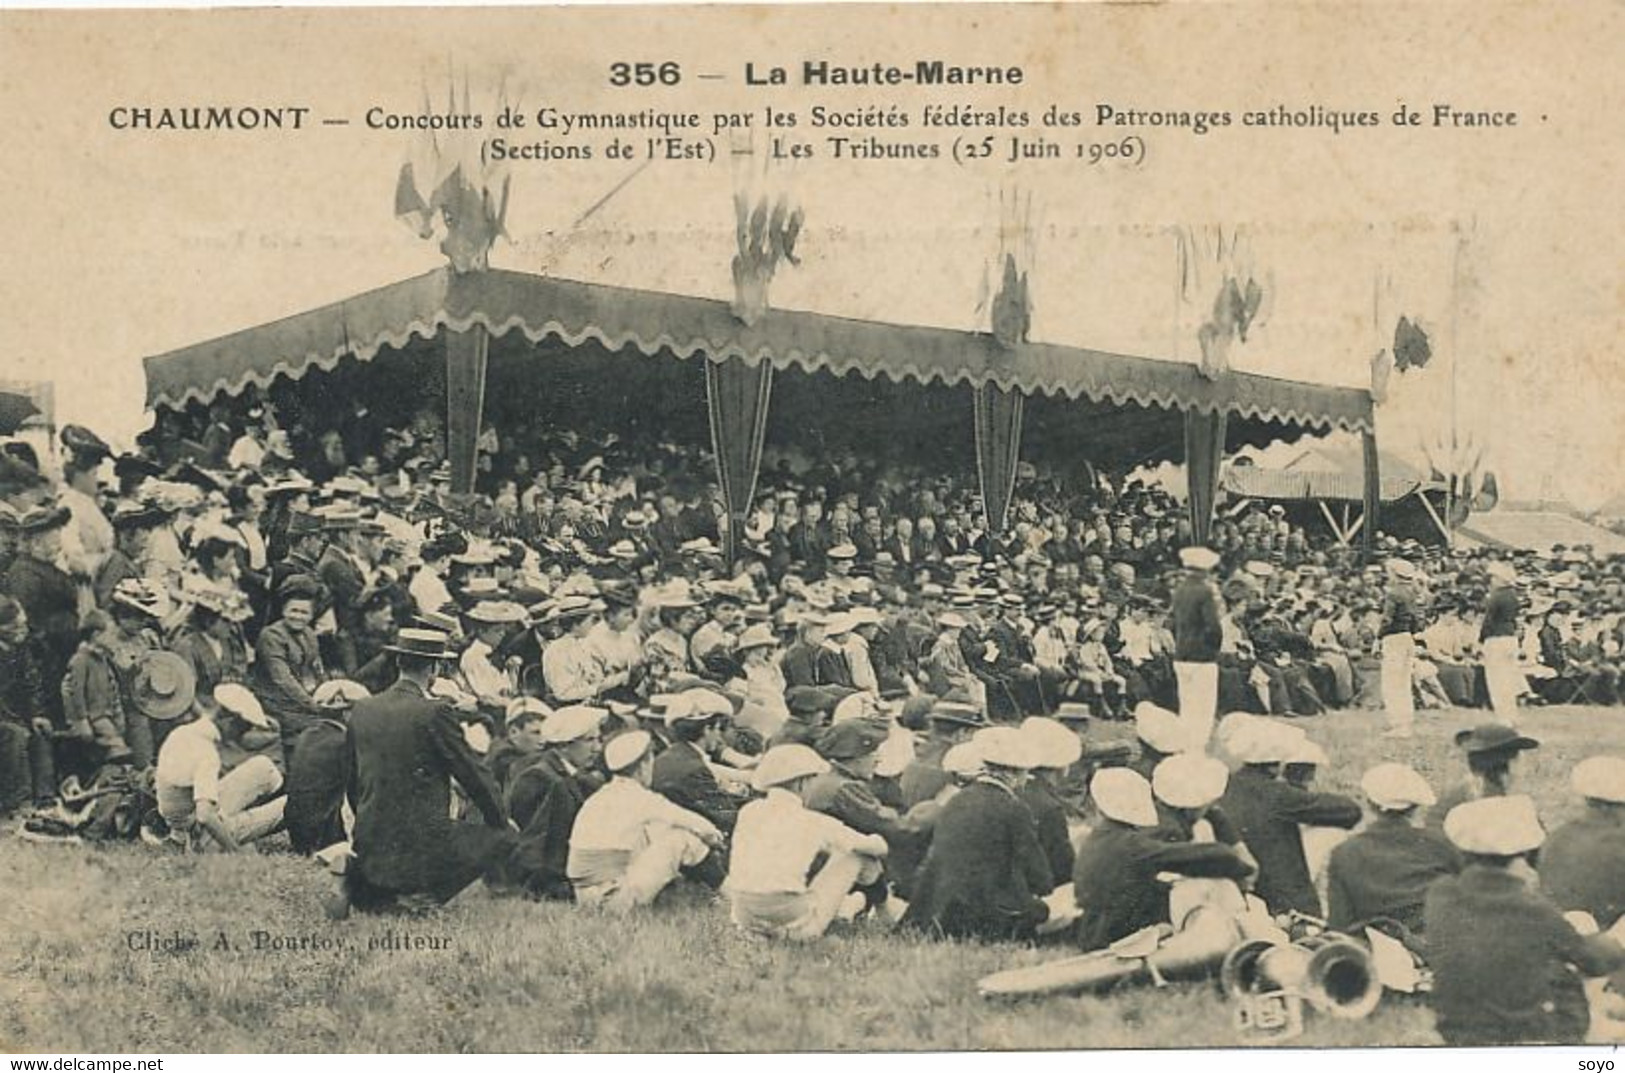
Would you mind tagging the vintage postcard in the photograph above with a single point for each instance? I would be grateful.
(812, 528)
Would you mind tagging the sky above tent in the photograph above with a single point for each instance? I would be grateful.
(1503, 244)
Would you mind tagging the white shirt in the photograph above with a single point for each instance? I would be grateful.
(487, 682)
(246, 453)
(764, 710)
(615, 816)
(1049, 648)
(616, 650)
(1136, 641)
(571, 669)
(88, 539)
(190, 759)
(428, 591)
(776, 841)
(856, 650)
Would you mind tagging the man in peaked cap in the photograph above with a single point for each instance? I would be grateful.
(1384, 871)
(791, 866)
(1498, 637)
(948, 723)
(1198, 634)
(1582, 864)
(546, 794)
(408, 749)
(1507, 967)
(1267, 812)
(1401, 622)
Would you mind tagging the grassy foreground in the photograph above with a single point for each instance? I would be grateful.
(507, 975)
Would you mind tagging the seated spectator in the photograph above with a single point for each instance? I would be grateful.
(197, 798)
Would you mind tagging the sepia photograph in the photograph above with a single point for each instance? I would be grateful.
(812, 528)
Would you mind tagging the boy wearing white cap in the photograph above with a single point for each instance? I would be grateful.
(628, 843)
(772, 886)
(1115, 878)
(1268, 811)
(195, 794)
(1386, 869)
(985, 874)
(1507, 967)
(1582, 865)
(1198, 634)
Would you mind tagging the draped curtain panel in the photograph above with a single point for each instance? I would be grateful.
(1204, 454)
(466, 354)
(998, 450)
(1373, 494)
(737, 398)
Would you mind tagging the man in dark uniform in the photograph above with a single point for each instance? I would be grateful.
(1498, 638)
(1582, 864)
(1384, 871)
(1267, 812)
(1054, 750)
(545, 795)
(339, 569)
(318, 772)
(1507, 967)
(1198, 634)
(846, 791)
(1115, 879)
(985, 874)
(406, 749)
(1492, 749)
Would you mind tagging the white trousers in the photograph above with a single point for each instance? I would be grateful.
(1506, 682)
(804, 914)
(1398, 653)
(1198, 701)
(625, 879)
(248, 782)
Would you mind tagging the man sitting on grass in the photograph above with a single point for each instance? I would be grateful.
(776, 883)
(628, 843)
(195, 796)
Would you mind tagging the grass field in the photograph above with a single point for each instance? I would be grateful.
(517, 976)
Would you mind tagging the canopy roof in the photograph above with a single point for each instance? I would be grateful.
(1327, 473)
(541, 307)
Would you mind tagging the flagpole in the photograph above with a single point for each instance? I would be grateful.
(1455, 364)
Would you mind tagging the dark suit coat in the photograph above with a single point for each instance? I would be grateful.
(682, 777)
(344, 581)
(1582, 866)
(318, 773)
(1504, 961)
(800, 665)
(230, 665)
(1198, 632)
(1385, 871)
(543, 798)
(1049, 823)
(52, 601)
(985, 871)
(405, 750)
(1115, 878)
(1267, 813)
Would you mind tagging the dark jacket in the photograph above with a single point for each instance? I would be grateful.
(230, 664)
(1115, 878)
(1049, 823)
(318, 772)
(985, 871)
(543, 798)
(1385, 871)
(344, 581)
(682, 777)
(287, 670)
(1267, 813)
(405, 751)
(1195, 615)
(1505, 962)
(800, 665)
(1582, 866)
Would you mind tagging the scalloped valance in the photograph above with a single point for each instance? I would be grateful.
(541, 307)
